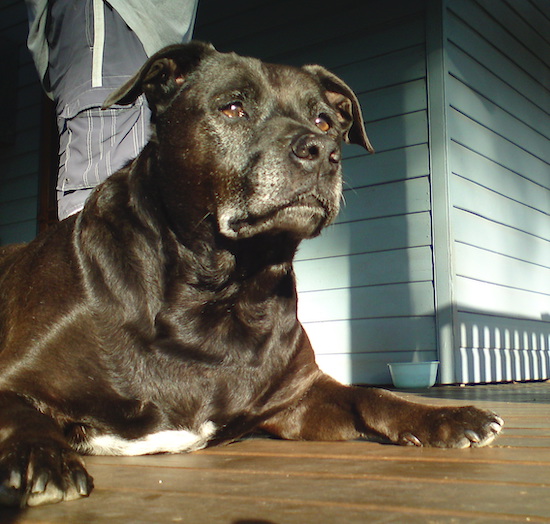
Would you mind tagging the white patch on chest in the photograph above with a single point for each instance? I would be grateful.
(169, 441)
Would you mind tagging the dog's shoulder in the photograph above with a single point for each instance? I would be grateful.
(8, 254)
(16, 254)
(33, 264)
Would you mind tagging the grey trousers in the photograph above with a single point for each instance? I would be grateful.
(92, 52)
(93, 145)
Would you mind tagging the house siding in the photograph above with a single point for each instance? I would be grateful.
(19, 152)
(365, 285)
(442, 248)
(498, 96)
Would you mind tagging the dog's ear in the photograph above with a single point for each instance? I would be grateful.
(161, 77)
(343, 99)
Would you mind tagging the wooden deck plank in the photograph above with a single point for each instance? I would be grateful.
(493, 474)
(454, 464)
(269, 481)
(480, 499)
(131, 507)
(463, 500)
(366, 451)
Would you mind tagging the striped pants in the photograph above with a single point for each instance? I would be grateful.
(92, 52)
(93, 145)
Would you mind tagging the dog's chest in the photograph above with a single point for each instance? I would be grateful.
(167, 441)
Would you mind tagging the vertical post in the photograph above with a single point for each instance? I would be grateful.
(442, 238)
(49, 145)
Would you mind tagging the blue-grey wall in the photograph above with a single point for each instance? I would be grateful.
(19, 149)
(498, 107)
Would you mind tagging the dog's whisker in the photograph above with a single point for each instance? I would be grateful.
(350, 187)
(343, 200)
(197, 225)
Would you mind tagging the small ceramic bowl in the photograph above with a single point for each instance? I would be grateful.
(413, 375)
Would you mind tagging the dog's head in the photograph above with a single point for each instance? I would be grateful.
(256, 146)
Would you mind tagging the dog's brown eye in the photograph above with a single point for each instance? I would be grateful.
(234, 110)
(323, 123)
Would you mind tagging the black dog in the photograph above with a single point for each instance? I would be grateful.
(162, 318)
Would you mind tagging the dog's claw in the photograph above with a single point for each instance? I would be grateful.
(39, 485)
(472, 436)
(15, 480)
(82, 483)
(45, 474)
(410, 440)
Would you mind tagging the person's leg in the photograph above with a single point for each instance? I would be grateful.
(93, 52)
(93, 145)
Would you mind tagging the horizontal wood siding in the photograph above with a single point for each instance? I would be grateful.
(19, 155)
(499, 154)
(366, 284)
(353, 304)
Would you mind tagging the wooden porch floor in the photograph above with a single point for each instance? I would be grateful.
(269, 481)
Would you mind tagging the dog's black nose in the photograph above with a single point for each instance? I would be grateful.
(315, 152)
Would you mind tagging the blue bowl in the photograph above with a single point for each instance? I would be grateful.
(414, 375)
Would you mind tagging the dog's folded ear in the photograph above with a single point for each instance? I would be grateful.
(343, 99)
(161, 77)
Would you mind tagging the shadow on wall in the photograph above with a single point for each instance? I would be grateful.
(498, 349)
(389, 264)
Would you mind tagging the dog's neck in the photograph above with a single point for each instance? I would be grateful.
(253, 255)
(216, 263)
(199, 254)
(194, 237)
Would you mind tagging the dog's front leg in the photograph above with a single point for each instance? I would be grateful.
(37, 466)
(332, 411)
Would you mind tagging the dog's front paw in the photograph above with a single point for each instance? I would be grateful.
(452, 428)
(41, 473)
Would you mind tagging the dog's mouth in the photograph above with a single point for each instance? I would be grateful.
(303, 217)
